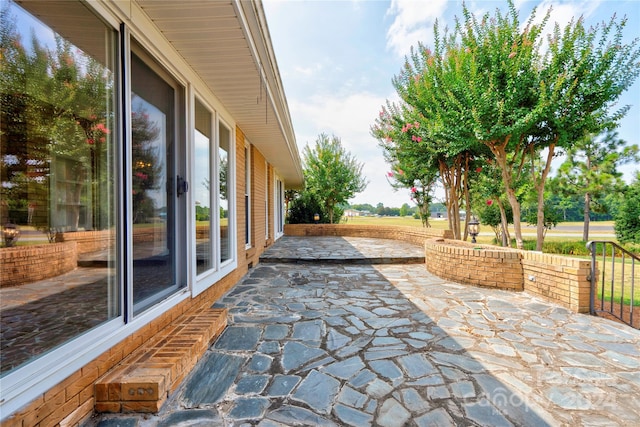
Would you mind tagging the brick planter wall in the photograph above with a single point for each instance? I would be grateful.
(479, 265)
(559, 279)
(26, 264)
(88, 241)
(415, 235)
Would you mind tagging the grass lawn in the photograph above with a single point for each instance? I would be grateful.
(567, 231)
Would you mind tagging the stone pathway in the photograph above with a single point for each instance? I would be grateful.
(339, 344)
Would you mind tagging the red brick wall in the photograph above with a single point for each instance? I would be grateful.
(25, 264)
(88, 241)
(479, 265)
(415, 235)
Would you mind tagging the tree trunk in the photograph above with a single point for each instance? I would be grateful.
(540, 184)
(504, 223)
(467, 199)
(587, 214)
(501, 159)
(451, 180)
(540, 222)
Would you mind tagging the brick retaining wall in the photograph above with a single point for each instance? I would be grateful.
(415, 235)
(25, 264)
(479, 265)
(556, 278)
(88, 241)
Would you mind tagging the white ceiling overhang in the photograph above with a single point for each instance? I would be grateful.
(227, 43)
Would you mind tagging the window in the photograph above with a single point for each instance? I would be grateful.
(214, 216)
(155, 202)
(225, 197)
(59, 175)
(202, 190)
(247, 195)
(279, 208)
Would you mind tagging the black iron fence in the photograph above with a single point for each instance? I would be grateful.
(615, 287)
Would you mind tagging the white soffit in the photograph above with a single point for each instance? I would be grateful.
(227, 44)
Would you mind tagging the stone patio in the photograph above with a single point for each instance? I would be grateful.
(312, 343)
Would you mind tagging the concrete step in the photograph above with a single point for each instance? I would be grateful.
(144, 380)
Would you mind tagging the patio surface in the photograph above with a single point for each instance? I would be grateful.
(322, 342)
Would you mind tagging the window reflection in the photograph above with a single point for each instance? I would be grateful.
(57, 149)
(152, 196)
(223, 165)
(202, 190)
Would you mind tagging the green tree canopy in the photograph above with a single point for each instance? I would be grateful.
(627, 224)
(590, 171)
(489, 90)
(331, 173)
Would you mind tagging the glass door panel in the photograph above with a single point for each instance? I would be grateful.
(58, 148)
(152, 197)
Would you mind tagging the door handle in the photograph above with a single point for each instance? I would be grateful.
(183, 186)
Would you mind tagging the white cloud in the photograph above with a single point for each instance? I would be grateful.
(305, 71)
(563, 13)
(349, 118)
(413, 23)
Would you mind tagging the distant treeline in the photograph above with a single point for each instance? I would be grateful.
(567, 209)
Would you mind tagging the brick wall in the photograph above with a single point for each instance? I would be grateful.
(25, 264)
(479, 265)
(415, 235)
(88, 241)
(559, 279)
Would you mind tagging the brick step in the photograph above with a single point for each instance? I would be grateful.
(144, 380)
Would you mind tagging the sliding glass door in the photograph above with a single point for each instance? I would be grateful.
(154, 186)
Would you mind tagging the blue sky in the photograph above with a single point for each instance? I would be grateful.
(337, 59)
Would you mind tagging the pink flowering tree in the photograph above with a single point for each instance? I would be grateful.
(413, 166)
(60, 92)
(489, 84)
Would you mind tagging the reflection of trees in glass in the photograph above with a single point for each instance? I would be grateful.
(145, 169)
(224, 168)
(53, 110)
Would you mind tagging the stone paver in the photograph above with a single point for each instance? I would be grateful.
(392, 345)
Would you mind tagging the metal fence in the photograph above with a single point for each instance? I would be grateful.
(614, 282)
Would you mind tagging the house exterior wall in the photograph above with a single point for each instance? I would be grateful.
(72, 397)
(72, 400)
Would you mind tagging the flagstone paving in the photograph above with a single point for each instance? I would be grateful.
(339, 344)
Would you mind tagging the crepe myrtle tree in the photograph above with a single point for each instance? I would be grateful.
(331, 173)
(413, 164)
(488, 83)
(419, 155)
